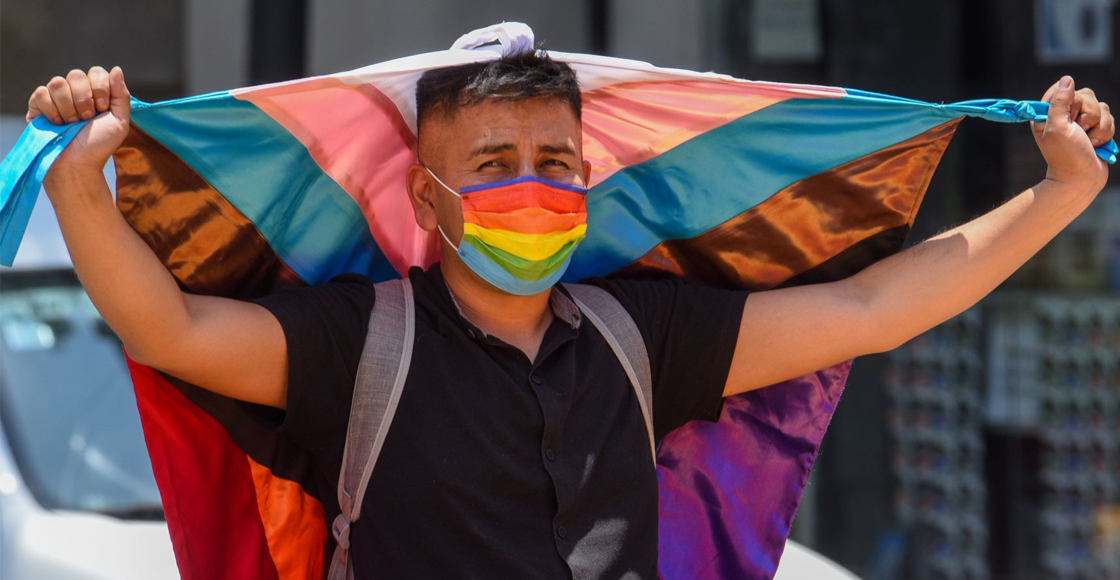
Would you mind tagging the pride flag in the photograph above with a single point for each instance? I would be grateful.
(700, 176)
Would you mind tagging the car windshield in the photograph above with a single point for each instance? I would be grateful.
(66, 401)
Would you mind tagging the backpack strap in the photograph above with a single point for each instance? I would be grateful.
(377, 390)
(618, 328)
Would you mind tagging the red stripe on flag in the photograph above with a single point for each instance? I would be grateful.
(205, 483)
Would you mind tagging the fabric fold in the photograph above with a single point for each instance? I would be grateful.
(21, 175)
(695, 176)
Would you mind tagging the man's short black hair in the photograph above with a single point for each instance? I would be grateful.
(519, 75)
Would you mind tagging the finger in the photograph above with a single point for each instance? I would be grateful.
(63, 100)
(1060, 103)
(1074, 106)
(1089, 112)
(119, 98)
(83, 95)
(1106, 129)
(42, 104)
(1038, 128)
(99, 83)
(1050, 92)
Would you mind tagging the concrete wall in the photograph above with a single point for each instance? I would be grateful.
(347, 34)
(215, 45)
(41, 39)
(670, 33)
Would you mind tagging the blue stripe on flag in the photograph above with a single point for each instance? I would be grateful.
(722, 173)
(312, 224)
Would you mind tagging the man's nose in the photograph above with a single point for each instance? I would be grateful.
(527, 167)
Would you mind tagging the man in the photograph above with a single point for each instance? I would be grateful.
(518, 449)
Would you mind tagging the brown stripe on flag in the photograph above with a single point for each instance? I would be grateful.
(209, 246)
(212, 248)
(808, 223)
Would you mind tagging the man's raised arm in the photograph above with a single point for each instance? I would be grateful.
(227, 346)
(789, 332)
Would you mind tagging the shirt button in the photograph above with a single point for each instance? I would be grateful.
(536, 380)
(470, 332)
(562, 532)
(550, 454)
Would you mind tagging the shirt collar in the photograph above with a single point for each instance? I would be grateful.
(559, 300)
(564, 307)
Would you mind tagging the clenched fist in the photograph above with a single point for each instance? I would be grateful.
(1077, 122)
(99, 97)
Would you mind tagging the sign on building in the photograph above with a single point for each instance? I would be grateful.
(1073, 31)
(786, 30)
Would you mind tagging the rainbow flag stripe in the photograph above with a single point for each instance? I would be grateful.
(700, 176)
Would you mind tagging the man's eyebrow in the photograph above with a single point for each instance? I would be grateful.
(492, 149)
(564, 149)
(495, 148)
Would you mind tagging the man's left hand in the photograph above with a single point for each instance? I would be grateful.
(800, 329)
(1077, 123)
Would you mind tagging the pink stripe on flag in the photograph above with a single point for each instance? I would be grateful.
(628, 123)
(358, 137)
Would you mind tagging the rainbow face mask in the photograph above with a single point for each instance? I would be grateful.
(519, 234)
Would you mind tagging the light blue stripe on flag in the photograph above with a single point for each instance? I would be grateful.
(21, 176)
(722, 173)
(261, 169)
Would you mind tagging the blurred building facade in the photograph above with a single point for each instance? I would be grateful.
(948, 459)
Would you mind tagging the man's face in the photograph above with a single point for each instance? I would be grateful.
(494, 140)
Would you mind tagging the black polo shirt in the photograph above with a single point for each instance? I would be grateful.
(496, 466)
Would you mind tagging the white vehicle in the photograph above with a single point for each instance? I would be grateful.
(801, 563)
(77, 495)
(78, 500)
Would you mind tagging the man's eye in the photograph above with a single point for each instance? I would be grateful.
(556, 163)
(490, 164)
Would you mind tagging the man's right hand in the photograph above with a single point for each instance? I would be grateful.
(234, 348)
(99, 97)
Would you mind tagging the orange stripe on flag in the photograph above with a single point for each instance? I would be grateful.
(293, 525)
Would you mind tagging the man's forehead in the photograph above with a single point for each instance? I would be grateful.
(495, 121)
(513, 125)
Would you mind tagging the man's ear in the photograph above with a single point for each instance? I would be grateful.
(586, 173)
(421, 192)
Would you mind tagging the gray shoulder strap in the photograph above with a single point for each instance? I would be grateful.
(617, 326)
(377, 390)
